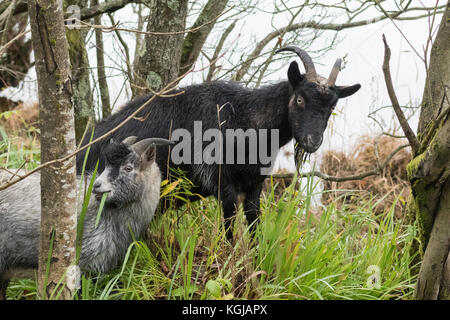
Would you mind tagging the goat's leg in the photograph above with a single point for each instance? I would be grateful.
(228, 196)
(251, 206)
(3, 285)
(3, 281)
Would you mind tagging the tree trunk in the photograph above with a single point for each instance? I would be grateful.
(429, 171)
(194, 41)
(58, 182)
(82, 93)
(159, 58)
(102, 82)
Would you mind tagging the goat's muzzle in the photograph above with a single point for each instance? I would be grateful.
(312, 143)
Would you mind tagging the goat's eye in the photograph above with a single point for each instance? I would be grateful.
(299, 100)
(128, 168)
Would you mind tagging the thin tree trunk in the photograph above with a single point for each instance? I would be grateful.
(159, 58)
(194, 41)
(429, 171)
(140, 27)
(431, 272)
(102, 82)
(82, 92)
(58, 189)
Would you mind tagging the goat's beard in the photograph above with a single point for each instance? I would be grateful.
(300, 155)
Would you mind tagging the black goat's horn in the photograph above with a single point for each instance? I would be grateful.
(142, 145)
(311, 74)
(334, 72)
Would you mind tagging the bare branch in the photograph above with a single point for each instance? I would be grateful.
(126, 50)
(219, 47)
(415, 145)
(86, 13)
(10, 42)
(155, 33)
(375, 171)
(105, 7)
(194, 41)
(21, 7)
(318, 26)
(8, 21)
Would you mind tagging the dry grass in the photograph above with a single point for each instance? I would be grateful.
(22, 121)
(390, 184)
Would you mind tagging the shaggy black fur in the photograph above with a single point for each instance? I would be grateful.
(297, 108)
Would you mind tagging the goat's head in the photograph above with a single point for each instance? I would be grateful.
(313, 100)
(128, 166)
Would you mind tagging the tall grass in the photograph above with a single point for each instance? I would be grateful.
(18, 152)
(298, 251)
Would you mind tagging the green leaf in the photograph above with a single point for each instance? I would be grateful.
(100, 208)
(170, 188)
(80, 226)
(214, 288)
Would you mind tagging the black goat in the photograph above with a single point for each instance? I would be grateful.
(298, 108)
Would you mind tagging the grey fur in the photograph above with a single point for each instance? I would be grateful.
(131, 203)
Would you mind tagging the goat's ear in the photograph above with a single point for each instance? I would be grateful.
(294, 75)
(146, 148)
(345, 91)
(149, 155)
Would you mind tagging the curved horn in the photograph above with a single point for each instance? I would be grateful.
(142, 145)
(129, 140)
(311, 74)
(334, 72)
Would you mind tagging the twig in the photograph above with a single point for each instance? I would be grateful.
(245, 66)
(125, 48)
(10, 42)
(393, 135)
(375, 149)
(415, 145)
(400, 30)
(115, 28)
(18, 169)
(323, 176)
(212, 68)
(7, 25)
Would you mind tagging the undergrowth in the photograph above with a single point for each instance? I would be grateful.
(298, 251)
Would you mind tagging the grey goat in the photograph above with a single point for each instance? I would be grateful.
(132, 180)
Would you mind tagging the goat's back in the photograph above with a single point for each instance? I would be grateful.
(198, 103)
(20, 210)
